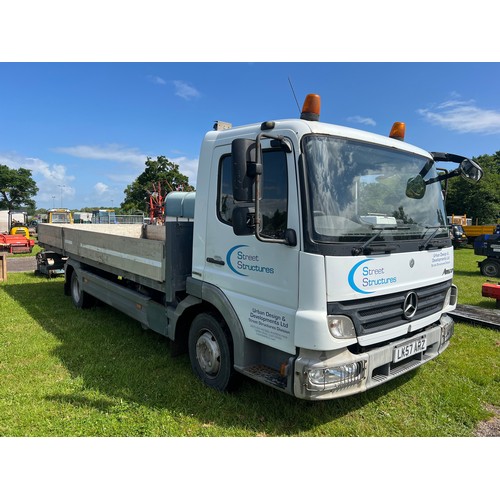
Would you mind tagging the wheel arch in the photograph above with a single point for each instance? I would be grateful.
(69, 269)
(211, 300)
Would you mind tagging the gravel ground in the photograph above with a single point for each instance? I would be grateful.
(21, 264)
(491, 427)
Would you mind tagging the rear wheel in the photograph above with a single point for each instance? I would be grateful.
(210, 352)
(81, 299)
(490, 268)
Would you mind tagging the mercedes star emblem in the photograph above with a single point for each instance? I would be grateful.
(410, 305)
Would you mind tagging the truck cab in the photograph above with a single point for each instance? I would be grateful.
(59, 216)
(328, 249)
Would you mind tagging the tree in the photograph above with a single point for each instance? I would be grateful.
(480, 201)
(161, 171)
(17, 188)
(400, 214)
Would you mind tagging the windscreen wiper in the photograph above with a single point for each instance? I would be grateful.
(426, 245)
(368, 248)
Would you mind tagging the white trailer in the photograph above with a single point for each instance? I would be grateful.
(4, 221)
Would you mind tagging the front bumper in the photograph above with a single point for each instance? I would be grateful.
(346, 373)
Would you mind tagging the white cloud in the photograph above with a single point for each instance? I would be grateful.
(463, 117)
(100, 188)
(188, 167)
(363, 120)
(157, 80)
(52, 181)
(56, 185)
(184, 90)
(131, 156)
(111, 152)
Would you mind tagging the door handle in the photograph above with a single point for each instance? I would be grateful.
(219, 262)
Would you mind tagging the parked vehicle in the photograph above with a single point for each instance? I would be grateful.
(488, 246)
(50, 264)
(16, 243)
(32, 225)
(458, 237)
(472, 232)
(313, 258)
(82, 218)
(18, 238)
(59, 216)
(104, 216)
(18, 223)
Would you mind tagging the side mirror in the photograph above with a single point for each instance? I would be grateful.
(470, 170)
(290, 237)
(415, 187)
(243, 152)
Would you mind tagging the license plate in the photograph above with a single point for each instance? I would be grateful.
(408, 349)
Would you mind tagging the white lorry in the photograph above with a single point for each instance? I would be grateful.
(313, 258)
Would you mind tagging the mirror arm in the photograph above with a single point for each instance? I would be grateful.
(448, 157)
(443, 177)
(467, 168)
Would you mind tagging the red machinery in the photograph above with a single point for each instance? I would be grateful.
(16, 239)
(157, 205)
(492, 291)
(16, 243)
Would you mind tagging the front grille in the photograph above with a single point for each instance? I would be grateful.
(370, 315)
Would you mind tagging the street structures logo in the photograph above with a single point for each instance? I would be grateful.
(363, 278)
(244, 263)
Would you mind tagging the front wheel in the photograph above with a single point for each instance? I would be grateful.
(490, 268)
(210, 352)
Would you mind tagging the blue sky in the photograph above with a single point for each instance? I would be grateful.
(83, 117)
(86, 129)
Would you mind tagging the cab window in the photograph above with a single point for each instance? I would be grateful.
(274, 193)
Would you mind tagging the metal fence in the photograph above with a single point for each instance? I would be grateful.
(129, 219)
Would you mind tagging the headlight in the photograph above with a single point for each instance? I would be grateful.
(341, 327)
(321, 379)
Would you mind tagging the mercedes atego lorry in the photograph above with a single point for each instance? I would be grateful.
(313, 258)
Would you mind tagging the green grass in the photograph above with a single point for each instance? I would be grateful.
(69, 372)
(469, 279)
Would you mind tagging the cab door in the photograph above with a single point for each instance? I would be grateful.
(260, 279)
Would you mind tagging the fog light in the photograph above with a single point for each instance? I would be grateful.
(341, 327)
(335, 377)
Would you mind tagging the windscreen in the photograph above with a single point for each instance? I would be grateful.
(357, 192)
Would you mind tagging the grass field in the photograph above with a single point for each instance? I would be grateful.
(37, 248)
(69, 372)
(469, 279)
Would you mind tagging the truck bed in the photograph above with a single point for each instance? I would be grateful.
(474, 231)
(124, 249)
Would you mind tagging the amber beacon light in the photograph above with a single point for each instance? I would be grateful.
(311, 108)
(398, 131)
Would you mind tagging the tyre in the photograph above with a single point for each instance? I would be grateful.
(490, 268)
(210, 352)
(81, 299)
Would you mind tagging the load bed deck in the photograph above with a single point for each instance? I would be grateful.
(120, 248)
